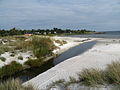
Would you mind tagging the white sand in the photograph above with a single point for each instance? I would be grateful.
(99, 56)
(71, 42)
(9, 59)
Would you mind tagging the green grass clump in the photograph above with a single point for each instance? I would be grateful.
(14, 84)
(12, 55)
(56, 83)
(20, 57)
(42, 46)
(91, 77)
(10, 69)
(34, 62)
(2, 59)
(23, 45)
(4, 49)
(94, 77)
(113, 73)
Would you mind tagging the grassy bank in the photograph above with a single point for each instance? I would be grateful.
(93, 78)
(12, 84)
(41, 47)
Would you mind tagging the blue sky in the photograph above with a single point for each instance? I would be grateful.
(99, 15)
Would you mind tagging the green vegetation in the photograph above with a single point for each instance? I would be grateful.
(2, 59)
(112, 73)
(51, 32)
(34, 63)
(20, 57)
(42, 46)
(4, 48)
(60, 42)
(12, 84)
(94, 77)
(10, 69)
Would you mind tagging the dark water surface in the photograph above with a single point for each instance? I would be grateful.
(74, 51)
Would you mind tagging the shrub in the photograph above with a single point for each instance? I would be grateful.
(10, 69)
(14, 84)
(20, 57)
(2, 59)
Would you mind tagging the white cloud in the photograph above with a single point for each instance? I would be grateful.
(91, 14)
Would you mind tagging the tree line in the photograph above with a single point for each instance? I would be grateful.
(15, 31)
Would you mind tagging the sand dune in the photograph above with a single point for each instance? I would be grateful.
(104, 52)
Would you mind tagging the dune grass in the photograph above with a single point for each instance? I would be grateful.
(94, 77)
(14, 84)
(34, 62)
(112, 73)
(4, 48)
(91, 77)
(10, 69)
(42, 46)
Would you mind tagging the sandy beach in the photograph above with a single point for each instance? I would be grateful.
(103, 53)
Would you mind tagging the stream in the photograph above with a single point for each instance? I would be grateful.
(33, 72)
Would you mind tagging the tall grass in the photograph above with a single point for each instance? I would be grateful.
(4, 48)
(91, 77)
(10, 69)
(34, 62)
(94, 77)
(42, 46)
(14, 84)
(113, 73)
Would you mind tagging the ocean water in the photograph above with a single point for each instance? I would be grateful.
(107, 34)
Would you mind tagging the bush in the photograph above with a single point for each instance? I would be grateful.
(2, 59)
(10, 69)
(12, 84)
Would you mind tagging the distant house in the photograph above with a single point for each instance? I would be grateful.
(28, 35)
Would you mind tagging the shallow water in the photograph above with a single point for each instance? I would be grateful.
(74, 51)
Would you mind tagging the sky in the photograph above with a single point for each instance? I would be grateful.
(98, 15)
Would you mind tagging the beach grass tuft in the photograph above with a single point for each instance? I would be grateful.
(14, 84)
